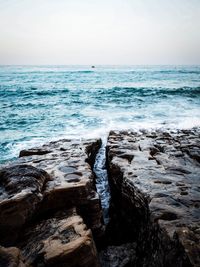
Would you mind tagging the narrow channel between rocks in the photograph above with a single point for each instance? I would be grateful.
(129, 200)
(102, 184)
(139, 230)
(111, 253)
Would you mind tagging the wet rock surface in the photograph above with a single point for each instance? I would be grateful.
(154, 180)
(53, 178)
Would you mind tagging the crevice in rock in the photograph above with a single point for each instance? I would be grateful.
(101, 179)
(132, 221)
(117, 248)
(55, 195)
(125, 231)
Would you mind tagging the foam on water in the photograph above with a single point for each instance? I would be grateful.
(42, 103)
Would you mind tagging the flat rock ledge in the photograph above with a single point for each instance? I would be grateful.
(48, 196)
(155, 195)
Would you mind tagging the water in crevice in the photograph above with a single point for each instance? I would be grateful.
(102, 184)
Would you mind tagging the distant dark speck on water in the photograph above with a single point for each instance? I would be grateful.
(93, 67)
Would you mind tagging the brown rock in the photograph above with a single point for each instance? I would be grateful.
(69, 164)
(21, 191)
(62, 241)
(45, 180)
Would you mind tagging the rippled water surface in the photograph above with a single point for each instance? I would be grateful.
(40, 103)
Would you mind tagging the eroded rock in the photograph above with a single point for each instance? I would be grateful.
(43, 181)
(154, 179)
(21, 189)
(62, 240)
(69, 164)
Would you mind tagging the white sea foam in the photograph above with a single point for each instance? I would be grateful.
(39, 104)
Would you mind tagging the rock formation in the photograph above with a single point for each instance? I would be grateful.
(21, 192)
(41, 183)
(50, 212)
(62, 240)
(154, 178)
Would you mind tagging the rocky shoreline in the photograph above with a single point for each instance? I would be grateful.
(154, 180)
(51, 215)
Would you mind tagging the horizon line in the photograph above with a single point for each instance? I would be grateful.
(185, 64)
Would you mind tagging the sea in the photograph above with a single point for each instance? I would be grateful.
(43, 103)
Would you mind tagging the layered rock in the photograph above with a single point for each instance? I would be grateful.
(57, 176)
(21, 188)
(69, 164)
(62, 240)
(48, 196)
(154, 179)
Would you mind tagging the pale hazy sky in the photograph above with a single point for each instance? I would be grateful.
(99, 32)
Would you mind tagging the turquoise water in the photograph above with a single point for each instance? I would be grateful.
(41, 103)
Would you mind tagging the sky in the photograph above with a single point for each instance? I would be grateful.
(92, 32)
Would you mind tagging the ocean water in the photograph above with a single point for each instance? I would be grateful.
(42, 103)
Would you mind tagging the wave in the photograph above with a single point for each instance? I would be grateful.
(153, 71)
(112, 92)
(31, 91)
(147, 91)
(38, 104)
(50, 92)
(189, 71)
(22, 74)
(82, 71)
(179, 71)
